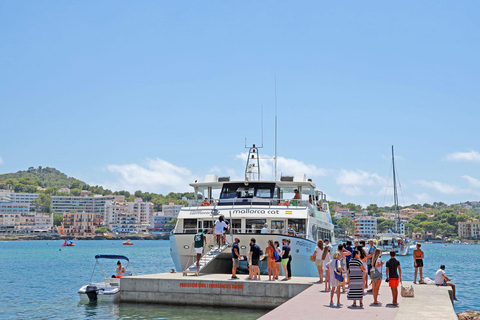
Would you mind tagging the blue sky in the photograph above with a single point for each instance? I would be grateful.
(151, 95)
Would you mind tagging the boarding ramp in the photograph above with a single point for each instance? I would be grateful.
(205, 260)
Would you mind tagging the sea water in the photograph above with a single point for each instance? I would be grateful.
(40, 279)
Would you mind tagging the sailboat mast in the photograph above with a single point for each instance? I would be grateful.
(275, 158)
(395, 196)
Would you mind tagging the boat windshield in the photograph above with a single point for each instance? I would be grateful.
(241, 191)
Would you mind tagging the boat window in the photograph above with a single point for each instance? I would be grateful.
(264, 193)
(255, 225)
(207, 225)
(298, 225)
(240, 190)
(236, 225)
(189, 225)
(278, 226)
(245, 192)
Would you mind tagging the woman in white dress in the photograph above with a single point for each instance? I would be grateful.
(333, 267)
(326, 257)
(318, 259)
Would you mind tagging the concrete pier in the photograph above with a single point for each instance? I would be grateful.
(299, 298)
(430, 302)
(211, 289)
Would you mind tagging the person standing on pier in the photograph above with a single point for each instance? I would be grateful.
(376, 274)
(235, 257)
(371, 251)
(279, 260)
(418, 256)
(355, 280)
(318, 259)
(289, 263)
(326, 257)
(333, 267)
(394, 276)
(254, 259)
(270, 256)
(285, 254)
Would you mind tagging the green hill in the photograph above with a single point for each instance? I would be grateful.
(29, 180)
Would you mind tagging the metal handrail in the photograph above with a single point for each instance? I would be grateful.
(276, 202)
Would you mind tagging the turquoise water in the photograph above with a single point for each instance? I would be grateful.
(39, 279)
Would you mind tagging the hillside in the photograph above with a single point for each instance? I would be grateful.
(51, 180)
(29, 180)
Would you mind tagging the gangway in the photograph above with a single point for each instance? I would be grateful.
(205, 260)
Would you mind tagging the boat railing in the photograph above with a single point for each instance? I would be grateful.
(247, 231)
(213, 203)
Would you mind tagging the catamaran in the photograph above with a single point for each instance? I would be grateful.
(264, 210)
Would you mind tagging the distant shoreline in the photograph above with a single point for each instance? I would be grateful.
(98, 237)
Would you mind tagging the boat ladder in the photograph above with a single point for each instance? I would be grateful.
(205, 260)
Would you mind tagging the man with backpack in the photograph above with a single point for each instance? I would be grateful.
(254, 258)
(200, 240)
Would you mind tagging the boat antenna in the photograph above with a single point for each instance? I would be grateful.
(275, 158)
(395, 195)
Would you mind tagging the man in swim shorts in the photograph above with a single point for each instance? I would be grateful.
(418, 263)
(394, 276)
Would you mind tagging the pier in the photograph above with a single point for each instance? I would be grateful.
(299, 298)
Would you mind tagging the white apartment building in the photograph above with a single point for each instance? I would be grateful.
(14, 215)
(125, 222)
(144, 210)
(24, 198)
(366, 227)
(112, 209)
(171, 209)
(43, 222)
(95, 204)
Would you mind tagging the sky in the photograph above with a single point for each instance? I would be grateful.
(153, 95)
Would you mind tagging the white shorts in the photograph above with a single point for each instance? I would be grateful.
(199, 250)
(218, 233)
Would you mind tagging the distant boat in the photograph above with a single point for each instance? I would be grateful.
(128, 243)
(394, 240)
(456, 241)
(68, 243)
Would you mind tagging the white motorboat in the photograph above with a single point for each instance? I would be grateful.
(109, 289)
(393, 241)
(248, 206)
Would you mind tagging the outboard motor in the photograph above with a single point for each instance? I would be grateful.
(92, 292)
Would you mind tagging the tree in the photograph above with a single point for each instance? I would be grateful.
(346, 225)
(57, 219)
(384, 225)
(103, 229)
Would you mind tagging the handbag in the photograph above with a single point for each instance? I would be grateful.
(313, 257)
(337, 273)
(375, 275)
(407, 292)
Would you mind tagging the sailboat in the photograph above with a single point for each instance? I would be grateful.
(395, 239)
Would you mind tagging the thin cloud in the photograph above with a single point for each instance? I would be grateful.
(352, 191)
(475, 183)
(1, 160)
(469, 156)
(156, 175)
(285, 166)
(359, 178)
(441, 187)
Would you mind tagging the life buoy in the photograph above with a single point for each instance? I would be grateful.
(284, 203)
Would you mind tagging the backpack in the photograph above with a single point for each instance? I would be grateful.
(275, 254)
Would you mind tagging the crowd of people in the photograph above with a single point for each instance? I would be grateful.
(348, 268)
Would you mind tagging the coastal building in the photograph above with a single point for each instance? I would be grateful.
(366, 227)
(144, 210)
(80, 223)
(24, 198)
(43, 222)
(125, 222)
(64, 190)
(344, 212)
(95, 204)
(159, 222)
(469, 229)
(171, 209)
(15, 217)
(112, 209)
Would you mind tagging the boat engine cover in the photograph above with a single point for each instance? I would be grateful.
(92, 292)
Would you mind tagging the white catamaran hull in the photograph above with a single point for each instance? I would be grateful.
(183, 255)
